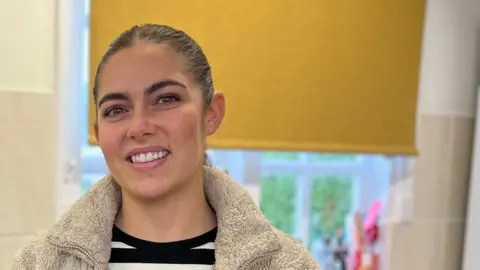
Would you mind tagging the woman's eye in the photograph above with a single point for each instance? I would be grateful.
(113, 112)
(167, 99)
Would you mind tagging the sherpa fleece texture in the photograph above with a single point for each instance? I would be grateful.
(245, 239)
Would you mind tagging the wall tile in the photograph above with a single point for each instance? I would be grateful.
(415, 247)
(27, 168)
(433, 166)
(24, 67)
(434, 240)
(452, 245)
(456, 188)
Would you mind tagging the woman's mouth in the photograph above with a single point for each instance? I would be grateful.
(148, 156)
(148, 161)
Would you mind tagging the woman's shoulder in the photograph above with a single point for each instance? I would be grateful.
(293, 254)
(35, 254)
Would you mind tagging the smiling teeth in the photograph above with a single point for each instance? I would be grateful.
(148, 157)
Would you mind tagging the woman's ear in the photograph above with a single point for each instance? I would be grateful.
(215, 113)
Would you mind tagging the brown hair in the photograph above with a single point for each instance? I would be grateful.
(177, 40)
(196, 61)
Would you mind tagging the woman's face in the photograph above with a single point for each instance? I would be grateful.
(152, 120)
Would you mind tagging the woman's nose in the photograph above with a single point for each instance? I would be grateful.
(140, 126)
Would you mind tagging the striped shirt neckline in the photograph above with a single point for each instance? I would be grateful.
(129, 252)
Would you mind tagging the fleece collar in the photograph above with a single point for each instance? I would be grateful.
(243, 232)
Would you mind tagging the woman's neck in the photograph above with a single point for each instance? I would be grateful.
(182, 215)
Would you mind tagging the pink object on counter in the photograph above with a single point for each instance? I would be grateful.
(373, 214)
(358, 261)
(371, 233)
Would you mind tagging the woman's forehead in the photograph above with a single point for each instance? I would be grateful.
(141, 66)
(144, 58)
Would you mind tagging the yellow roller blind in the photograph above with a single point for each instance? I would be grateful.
(310, 75)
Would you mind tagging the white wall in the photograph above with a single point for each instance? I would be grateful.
(472, 234)
(28, 46)
(450, 70)
(28, 130)
(40, 81)
(450, 77)
(437, 181)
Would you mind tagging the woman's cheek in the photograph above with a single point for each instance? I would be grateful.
(183, 125)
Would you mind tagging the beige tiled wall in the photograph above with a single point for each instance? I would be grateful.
(434, 239)
(26, 168)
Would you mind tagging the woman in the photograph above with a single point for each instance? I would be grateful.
(160, 208)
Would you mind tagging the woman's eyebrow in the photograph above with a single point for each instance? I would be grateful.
(156, 86)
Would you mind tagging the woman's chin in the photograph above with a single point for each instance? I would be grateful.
(149, 190)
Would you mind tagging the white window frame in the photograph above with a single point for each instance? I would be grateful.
(306, 168)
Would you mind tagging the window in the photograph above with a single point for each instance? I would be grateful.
(327, 189)
(331, 204)
(278, 199)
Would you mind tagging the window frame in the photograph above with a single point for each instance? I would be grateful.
(306, 168)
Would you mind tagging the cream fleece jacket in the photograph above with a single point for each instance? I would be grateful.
(245, 239)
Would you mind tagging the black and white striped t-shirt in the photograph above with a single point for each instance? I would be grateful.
(130, 253)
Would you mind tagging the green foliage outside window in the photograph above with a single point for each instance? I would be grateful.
(283, 156)
(278, 201)
(330, 204)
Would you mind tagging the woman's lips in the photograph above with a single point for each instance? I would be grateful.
(148, 161)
